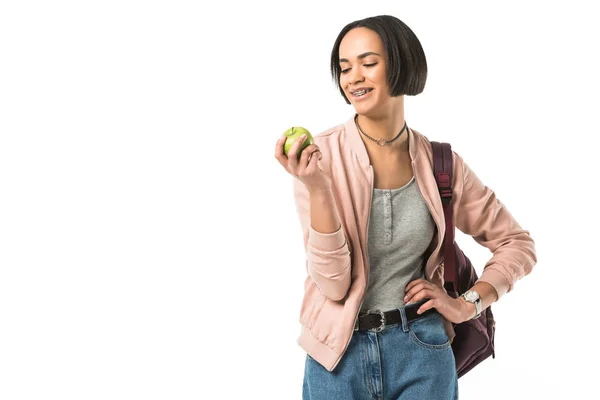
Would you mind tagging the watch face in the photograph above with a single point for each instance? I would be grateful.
(471, 295)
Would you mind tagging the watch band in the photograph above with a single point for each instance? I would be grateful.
(477, 302)
(477, 308)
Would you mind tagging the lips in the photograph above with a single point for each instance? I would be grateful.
(364, 96)
(360, 90)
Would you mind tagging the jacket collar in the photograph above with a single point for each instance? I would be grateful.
(357, 144)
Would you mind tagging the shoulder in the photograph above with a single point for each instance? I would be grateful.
(425, 150)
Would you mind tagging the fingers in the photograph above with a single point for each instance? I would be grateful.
(279, 154)
(293, 152)
(411, 289)
(419, 291)
(307, 154)
(314, 154)
(413, 283)
(313, 161)
(291, 162)
(428, 305)
(420, 295)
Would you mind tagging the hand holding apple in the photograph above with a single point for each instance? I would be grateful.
(292, 135)
(301, 158)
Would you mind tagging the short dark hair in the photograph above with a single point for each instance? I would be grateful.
(406, 62)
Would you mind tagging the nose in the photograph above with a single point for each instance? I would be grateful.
(355, 74)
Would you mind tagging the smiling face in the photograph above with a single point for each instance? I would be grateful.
(363, 64)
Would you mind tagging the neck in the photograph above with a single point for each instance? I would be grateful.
(386, 127)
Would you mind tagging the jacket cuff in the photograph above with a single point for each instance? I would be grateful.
(326, 241)
(497, 279)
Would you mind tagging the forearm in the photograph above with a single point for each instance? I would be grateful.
(323, 212)
(328, 255)
(328, 260)
(479, 213)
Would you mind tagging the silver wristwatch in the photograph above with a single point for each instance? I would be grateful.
(473, 297)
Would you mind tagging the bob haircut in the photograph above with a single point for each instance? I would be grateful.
(405, 59)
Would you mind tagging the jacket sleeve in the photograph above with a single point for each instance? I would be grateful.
(327, 254)
(480, 214)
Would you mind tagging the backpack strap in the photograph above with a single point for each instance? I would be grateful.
(442, 170)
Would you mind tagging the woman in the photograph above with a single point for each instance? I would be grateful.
(376, 321)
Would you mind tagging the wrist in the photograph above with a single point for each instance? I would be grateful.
(470, 310)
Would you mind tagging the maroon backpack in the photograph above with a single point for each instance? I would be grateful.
(474, 341)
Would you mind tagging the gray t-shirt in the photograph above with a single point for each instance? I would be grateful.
(400, 231)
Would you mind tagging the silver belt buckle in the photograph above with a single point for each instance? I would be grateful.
(383, 320)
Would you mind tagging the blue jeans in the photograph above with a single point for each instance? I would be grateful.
(405, 361)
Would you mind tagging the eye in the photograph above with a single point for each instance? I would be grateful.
(366, 65)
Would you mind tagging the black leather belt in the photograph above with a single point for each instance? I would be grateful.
(377, 320)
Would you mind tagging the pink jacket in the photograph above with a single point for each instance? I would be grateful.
(337, 264)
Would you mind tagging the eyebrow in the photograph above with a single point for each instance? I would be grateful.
(361, 56)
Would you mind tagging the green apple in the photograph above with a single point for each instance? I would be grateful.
(294, 133)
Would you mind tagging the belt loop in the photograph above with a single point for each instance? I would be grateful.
(403, 318)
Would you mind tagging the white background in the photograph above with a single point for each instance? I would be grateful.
(149, 243)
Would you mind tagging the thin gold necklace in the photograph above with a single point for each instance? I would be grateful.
(381, 141)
